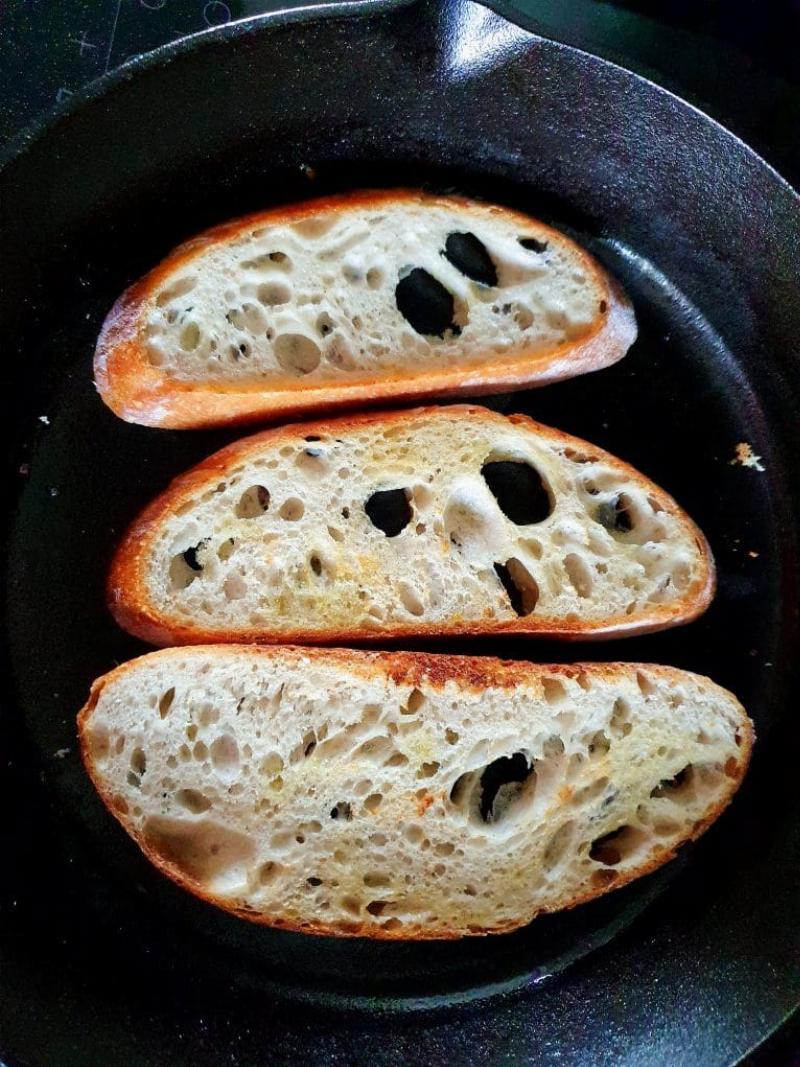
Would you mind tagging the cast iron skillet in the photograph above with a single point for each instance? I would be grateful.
(104, 961)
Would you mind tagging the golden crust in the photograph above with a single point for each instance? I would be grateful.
(139, 392)
(130, 604)
(411, 667)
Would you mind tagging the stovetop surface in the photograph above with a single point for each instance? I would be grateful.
(738, 60)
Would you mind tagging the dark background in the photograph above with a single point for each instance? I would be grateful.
(738, 61)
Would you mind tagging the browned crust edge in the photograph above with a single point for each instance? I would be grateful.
(139, 392)
(129, 602)
(411, 668)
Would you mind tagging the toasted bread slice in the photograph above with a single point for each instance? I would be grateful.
(355, 299)
(438, 521)
(400, 795)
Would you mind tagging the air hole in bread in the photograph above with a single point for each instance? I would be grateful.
(416, 698)
(579, 574)
(451, 736)
(425, 303)
(324, 324)
(530, 544)
(342, 810)
(297, 353)
(520, 491)
(315, 225)
(99, 742)
(599, 743)
(292, 509)
(334, 534)
(389, 510)
(312, 462)
(351, 905)
(180, 287)
(523, 316)
(253, 502)
(208, 714)
(375, 749)
(602, 878)
(165, 702)
(680, 576)
(272, 294)
(193, 800)
(189, 337)
(224, 753)
(373, 802)
(666, 828)
(315, 563)
(194, 556)
(203, 851)
(613, 848)
(559, 844)
(620, 724)
(519, 584)
(234, 587)
(493, 792)
(533, 244)
(469, 256)
(271, 765)
(678, 787)
(646, 684)
(428, 770)
(615, 515)
(555, 691)
(410, 599)
(375, 277)
(590, 792)
(575, 456)
(225, 550)
(268, 261)
(138, 762)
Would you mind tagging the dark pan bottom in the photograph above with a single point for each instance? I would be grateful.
(675, 407)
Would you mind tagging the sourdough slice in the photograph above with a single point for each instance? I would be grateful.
(353, 299)
(401, 795)
(445, 520)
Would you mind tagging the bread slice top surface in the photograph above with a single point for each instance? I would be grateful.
(388, 525)
(400, 795)
(311, 304)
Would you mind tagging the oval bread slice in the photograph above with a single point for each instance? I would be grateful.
(399, 795)
(353, 299)
(438, 521)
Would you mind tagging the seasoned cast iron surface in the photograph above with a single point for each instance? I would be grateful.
(100, 952)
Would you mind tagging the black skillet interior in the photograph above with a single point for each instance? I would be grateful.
(99, 952)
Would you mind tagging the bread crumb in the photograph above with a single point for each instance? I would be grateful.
(60, 753)
(44, 419)
(746, 457)
(753, 554)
